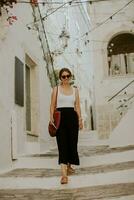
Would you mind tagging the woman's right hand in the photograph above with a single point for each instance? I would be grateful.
(51, 119)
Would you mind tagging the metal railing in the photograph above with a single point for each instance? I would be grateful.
(120, 91)
(121, 101)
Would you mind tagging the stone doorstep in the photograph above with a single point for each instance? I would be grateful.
(122, 191)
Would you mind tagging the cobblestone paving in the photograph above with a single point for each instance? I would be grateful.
(80, 171)
(89, 151)
(89, 193)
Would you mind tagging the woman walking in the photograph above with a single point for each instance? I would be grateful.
(68, 104)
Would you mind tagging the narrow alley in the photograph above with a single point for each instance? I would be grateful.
(92, 41)
(105, 173)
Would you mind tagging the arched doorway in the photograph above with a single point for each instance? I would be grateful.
(120, 51)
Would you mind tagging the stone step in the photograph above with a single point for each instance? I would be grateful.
(104, 174)
(85, 161)
(77, 194)
(79, 181)
(44, 172)
(131, 197)
(88, 135)
(110, 192)
(85, 151)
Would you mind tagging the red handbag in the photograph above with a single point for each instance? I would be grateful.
(52, 127)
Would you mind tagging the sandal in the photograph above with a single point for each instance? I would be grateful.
(64, 180)
(70, 170)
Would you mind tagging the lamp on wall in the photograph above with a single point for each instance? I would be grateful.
(64, 37)
(109, 64)
(116, 69)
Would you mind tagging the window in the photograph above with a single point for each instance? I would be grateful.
(121, 55)
(19, 82)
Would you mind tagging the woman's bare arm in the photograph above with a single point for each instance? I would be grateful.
(53, 103)
(78, 109)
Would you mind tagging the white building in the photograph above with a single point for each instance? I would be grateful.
(89, 39)
(25, 88)
(64, 29)
(112, 41)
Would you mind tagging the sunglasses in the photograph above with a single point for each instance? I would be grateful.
(65, 76)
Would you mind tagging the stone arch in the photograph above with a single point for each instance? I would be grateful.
(120, 52)
(105, 40)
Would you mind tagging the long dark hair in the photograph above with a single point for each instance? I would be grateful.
(64, 70)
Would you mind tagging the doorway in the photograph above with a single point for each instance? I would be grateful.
(28, 99)
(31, 98)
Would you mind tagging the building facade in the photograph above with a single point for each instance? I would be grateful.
(94, 39)
(112, 40)
(25, 87)
(64, 29)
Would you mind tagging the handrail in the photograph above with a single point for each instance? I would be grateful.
(126, 101)
(120, 91)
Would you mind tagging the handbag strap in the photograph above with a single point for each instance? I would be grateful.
(56, 97)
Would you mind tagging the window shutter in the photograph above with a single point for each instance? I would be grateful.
(19, 82)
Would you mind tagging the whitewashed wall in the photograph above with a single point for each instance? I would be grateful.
(107, 86)
(79, 63)
(17, 40)
(123, 135)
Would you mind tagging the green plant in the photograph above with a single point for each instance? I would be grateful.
(54, 77)
(5, 4)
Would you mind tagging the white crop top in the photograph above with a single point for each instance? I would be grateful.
(65, 100)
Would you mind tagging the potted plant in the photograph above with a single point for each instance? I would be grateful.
(116, 69)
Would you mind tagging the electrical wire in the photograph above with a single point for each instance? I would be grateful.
(103, 22)
(106, 20)
(52, 3)
(51, 60)
(84, 51)
(84, 18)
(98, 26)
(47, 15)
(90, 40)
(69, 2)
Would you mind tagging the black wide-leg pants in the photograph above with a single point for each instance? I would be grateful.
(67, 136)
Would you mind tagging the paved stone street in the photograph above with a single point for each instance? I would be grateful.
(104, 174)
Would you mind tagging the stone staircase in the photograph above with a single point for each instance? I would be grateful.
(104, 174)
